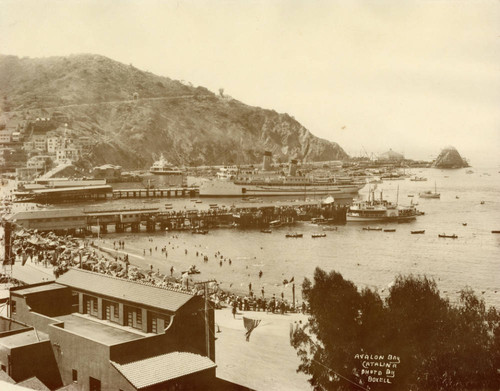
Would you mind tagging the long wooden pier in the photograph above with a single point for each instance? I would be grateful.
(73, 220)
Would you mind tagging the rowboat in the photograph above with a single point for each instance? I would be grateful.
(293, 235)
(448, 236)
(421, 231)
(318, 235)
(390, 230)
(372, 229)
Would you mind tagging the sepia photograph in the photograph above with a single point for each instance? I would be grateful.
(250, 195)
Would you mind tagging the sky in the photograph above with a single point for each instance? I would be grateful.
(414, 76)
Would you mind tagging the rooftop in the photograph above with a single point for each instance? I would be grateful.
(100, 331)
(33, 383)
(121, 289)
(48, 214)
(159, 369)
(27, 337)
(38, 288)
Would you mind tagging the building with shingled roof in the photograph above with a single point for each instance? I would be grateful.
(107, 333)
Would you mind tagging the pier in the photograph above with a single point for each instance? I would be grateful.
(121, 220)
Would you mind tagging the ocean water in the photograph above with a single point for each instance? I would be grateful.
(368, 258)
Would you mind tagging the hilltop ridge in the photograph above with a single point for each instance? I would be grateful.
(133, 115)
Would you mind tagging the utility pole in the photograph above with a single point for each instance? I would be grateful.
(207, 326)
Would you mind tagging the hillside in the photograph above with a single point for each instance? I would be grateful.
(132, 115)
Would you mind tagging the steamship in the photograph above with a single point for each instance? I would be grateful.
(268, 183)
(163, 167)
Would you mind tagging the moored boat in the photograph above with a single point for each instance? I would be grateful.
(200, 231)
(269, 183)
(294, 235)
(318, 235)
(448, 236)
(372, 228)
(266, 231)
(420, 231)
(430, 193)
(163, 167)
(390, 230)
(380, 210)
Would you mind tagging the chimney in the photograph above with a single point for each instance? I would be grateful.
(292, 169)
(266, 164)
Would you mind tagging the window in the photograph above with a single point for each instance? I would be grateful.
(4, 368)
(74, 374)
(13, 307)
(139, 317)
(154, 322)
(94, 304)
(116, 311)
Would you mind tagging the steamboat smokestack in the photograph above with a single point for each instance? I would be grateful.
(292, 169)
(266, 164)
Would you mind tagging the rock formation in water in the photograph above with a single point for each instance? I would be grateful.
(450, 158)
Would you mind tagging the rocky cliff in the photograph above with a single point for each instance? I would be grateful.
(450, 158)
(132, 116)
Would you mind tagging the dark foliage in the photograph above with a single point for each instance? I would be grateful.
(438, 345)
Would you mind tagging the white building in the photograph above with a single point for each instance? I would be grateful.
(16, 137)
(40, 142)
(54, 143)
(67, 155)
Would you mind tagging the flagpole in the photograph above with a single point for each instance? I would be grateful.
(293, 294)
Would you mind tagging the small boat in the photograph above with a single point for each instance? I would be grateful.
(390, 230)
(457, 197)
(482, 202)
(192, 270)
(329, 228)
(198, 201)
(275, 223)
(448, 236)
(200, 231)
(372, 228)
(410, 195)
(421, 231)
(266, 231)
(294, 235)
(430, 194)
(318, 235)
(418, 179)
(495, 232)
(464, 224)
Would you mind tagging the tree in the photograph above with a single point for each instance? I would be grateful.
(428, 343)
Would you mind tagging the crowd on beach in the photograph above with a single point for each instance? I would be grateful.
(46, 249)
